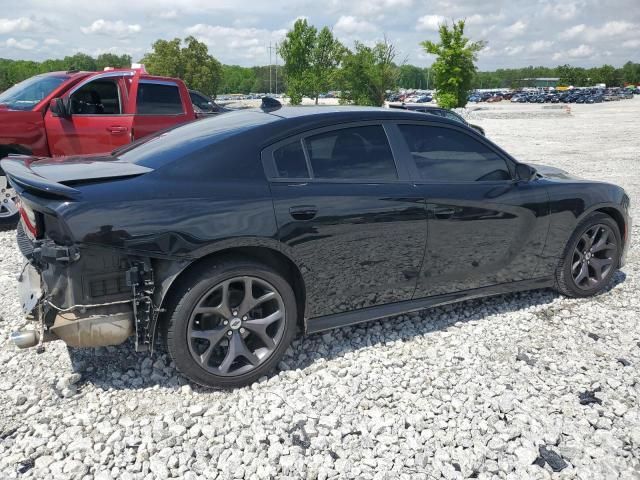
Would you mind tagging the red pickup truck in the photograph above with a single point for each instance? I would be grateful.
(69, 113)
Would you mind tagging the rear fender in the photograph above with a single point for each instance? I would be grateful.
(167, 272)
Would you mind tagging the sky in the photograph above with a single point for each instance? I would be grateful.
(518, 32)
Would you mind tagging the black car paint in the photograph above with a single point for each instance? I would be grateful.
(370, 248)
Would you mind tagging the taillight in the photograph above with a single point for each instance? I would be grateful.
(29, 219)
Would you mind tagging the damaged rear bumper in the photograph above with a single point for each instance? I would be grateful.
(86, 297)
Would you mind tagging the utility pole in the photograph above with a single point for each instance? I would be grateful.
(276, 68)
(271, 63)
(269, 67)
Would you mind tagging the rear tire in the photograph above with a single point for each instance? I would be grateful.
(230, 322)
(590, 258)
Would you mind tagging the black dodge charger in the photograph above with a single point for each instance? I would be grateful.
(224, 238)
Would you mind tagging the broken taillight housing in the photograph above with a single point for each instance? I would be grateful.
(29, 219)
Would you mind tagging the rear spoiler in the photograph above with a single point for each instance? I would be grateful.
(19, 174)
(56, 177)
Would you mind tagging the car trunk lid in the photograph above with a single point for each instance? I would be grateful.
(57, 176)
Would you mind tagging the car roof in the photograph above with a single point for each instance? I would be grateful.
(422, 106)
(346, 114)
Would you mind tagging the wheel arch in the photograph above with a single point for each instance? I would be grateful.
(612, 210)
(269, 255)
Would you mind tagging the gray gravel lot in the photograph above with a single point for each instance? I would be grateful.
(483, 389)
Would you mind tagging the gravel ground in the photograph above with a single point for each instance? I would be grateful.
(515, 386)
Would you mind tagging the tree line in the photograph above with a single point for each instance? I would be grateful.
(315, 62)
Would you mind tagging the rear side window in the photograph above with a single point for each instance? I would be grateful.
(158, 99)
(290, 161)
(351, 153)
(447, 155)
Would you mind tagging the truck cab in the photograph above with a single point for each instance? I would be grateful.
(79, 113)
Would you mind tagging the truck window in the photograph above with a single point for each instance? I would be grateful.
(28, 93)
(100, 97)
(158, 99)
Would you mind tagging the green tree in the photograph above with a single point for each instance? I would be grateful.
(609, 75)
(630, 73)
(112, 60)
(326, 56)
(368, 73)
(410, 76)
(454, 67)
(80, 61)
(575, 76)
(191, 62)
(296, 50)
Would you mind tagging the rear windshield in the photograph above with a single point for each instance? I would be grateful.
(168, 145)
(30, 92)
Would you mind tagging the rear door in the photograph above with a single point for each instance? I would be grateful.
(348, 213)
(485, 228)
(98, 122)
(159, 105)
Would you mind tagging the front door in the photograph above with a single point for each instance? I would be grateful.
(484, 227)
(349, 217)
(97, 124)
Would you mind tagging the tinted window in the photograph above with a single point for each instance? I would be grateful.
(203, 103)
(28, 93)
(158, 99)
(290, 162)
(99, 97)
(453, 116)
(352, 153)
(443, 154)
(167, 146)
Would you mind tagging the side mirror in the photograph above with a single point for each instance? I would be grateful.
(59, 108)
(525, 172)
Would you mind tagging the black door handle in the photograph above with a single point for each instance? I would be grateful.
(444, 212)
(303, 212)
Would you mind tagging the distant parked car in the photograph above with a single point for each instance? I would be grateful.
(440, 112)
(424, 99)
(204, 104)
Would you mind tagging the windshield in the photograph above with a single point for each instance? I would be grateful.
(27, 94)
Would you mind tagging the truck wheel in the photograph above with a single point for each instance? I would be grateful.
(9, 214)
(231, 322)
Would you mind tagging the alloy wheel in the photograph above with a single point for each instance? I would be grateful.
(593, 257)
(8, 207)
(236, 325)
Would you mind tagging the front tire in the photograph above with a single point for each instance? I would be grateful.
(591, 257)
(9, 214)
(231, 322)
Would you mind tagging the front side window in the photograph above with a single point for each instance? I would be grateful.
(158, 99)
(357, 153)
(447, 155)
(100, 97)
